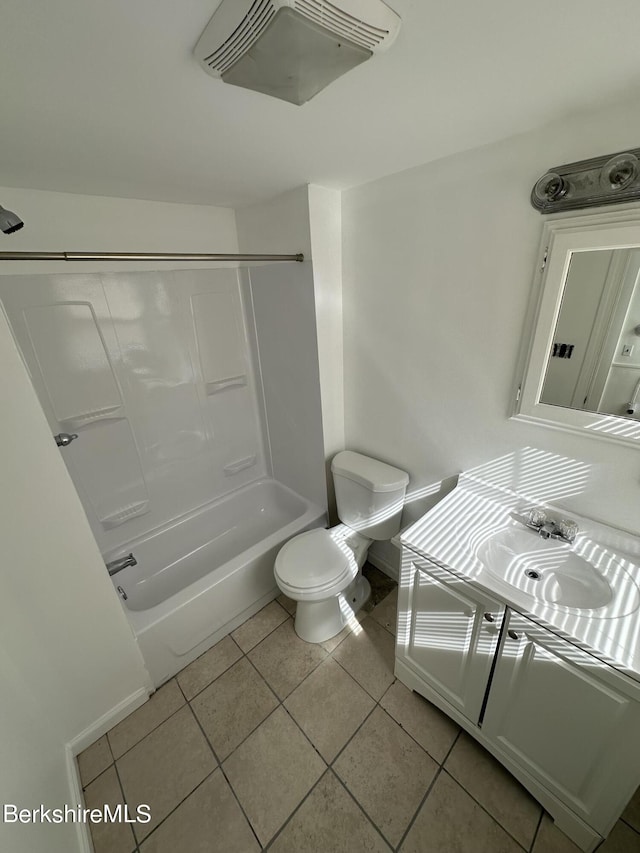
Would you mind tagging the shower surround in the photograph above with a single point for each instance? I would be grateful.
(160, 376)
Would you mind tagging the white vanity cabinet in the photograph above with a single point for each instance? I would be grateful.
(564, 723)
(451, 635)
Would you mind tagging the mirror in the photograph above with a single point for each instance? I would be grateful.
(582, 363)
(594, 360)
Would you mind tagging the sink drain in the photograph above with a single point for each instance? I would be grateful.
(533, 574)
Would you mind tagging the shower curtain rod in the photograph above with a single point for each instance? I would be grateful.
(140, 256)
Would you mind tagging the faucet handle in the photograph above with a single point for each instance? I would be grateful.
(536, 516)
(568, 529)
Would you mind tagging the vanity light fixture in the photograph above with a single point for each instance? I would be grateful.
(612, 179)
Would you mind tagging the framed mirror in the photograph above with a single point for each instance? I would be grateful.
(581, 364)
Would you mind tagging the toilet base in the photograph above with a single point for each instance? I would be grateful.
(357, 594)
(317, 621)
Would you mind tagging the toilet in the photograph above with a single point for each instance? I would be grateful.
(321, 569)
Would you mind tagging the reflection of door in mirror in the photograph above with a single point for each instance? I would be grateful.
(594, 362)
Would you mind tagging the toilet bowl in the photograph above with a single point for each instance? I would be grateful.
(321, 569)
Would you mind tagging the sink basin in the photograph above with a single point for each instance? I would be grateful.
(546, 569)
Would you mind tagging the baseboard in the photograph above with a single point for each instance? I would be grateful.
(85, 844)
(384, 566)
(82, 741)
(108, 721)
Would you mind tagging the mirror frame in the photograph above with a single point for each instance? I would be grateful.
(561, 236)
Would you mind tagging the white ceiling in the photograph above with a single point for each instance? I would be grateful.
(104, 96)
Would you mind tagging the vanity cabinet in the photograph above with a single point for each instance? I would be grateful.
(562, 721)
(452, 636)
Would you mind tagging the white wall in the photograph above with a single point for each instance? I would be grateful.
(438, 266)
(65, 222)
(308, 220)
(279, 226)
(283, 306)
(325, 221)
(68, 654)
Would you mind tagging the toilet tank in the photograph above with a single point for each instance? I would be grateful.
(369, 494)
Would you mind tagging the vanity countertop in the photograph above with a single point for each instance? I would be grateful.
(456, 530)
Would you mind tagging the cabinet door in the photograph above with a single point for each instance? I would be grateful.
(450, 634)
(567, 718)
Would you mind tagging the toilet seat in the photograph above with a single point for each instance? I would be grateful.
(312, 566)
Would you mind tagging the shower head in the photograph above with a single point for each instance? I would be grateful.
(9, 221)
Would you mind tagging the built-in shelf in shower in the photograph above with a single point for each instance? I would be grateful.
(224, 384)
(239, 465)
(125, 514)
(109, 413)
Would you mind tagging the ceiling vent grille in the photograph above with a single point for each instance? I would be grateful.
(293, 49)
(241, 39)
(342, 23)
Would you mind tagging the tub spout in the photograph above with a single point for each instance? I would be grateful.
(116, 566)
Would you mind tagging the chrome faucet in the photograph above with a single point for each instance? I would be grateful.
(550, 530)
(564, 529)
(116, 566)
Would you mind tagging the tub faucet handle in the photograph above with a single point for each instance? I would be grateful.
(64, 438)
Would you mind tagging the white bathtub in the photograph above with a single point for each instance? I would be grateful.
(200, 577)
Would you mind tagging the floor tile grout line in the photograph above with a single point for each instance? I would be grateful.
(331, 765)
(220, 763)
(535, 834)
(268, 634)
(419, 808)
(209, 683)
(327, 657)
(361, 807)
(125, 802)
(311, 671)
(348, 741)
(240, 806)
(190, 792)
(217, 767)
(253, 730)
(205, 736)
(408, 733)
(172, 714)
(486, 810)
(243, 654)
(355, 679)
(428, 791)
(626, 822)
(280, 705)
(328, 765)
(177, 806)
(281, 829)
(267, 683)
(187, 702)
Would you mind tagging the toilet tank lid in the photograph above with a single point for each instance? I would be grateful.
(375, 475)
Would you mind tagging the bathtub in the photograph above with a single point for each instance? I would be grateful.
(201, 576)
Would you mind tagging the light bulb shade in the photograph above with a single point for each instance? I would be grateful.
(619, 172)
(9, 221)
(550, 187)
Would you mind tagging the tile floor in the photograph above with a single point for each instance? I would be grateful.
(269, 743)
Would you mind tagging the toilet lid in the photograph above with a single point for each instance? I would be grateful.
(313, 560)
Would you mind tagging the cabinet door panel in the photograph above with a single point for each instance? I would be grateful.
(450, 641)
(556, 711)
